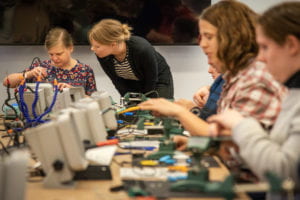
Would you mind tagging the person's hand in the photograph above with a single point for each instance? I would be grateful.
(36, 72)
(162, 107)
(61, 86)
(224, 121)
(201, 96)
(180, 141)
(228, 151)
(185, 103)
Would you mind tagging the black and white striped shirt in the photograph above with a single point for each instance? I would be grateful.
(123, 68)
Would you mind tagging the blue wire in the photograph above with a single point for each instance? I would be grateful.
(51, 106)
(24, 109)
(23, 106)
(36, 98)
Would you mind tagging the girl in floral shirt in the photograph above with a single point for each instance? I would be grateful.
(68, 71)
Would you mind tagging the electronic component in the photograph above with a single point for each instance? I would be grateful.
(9, 112)
(13, 175)
(45, 97)
(90, 118)
(132, 98)
(59, 149)
(104, 101)
(76, 93)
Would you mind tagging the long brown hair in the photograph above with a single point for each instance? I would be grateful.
(236, 33)
(280, 21)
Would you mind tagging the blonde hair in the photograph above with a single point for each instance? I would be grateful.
(56, 36)
(236, 33)
(108, 31)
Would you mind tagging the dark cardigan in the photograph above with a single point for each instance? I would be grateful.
(149, 67)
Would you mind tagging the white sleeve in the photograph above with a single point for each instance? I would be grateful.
(263, 154)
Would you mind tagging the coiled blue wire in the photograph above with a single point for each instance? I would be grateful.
(36, 98)
(23, 105)
(51, 106)
(24, 108)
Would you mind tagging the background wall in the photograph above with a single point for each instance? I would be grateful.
(188, 63)
(258, 5)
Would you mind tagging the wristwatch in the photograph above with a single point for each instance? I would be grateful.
(196, 110)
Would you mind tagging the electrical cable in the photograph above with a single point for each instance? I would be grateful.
(52, 103)
(151, 92)
(18, 102)
(38, 59)
(3, 147)
(23, 106)
(9, 98)
(36, 98)
(133, 108)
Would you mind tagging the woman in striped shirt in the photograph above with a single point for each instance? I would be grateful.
(131, 63)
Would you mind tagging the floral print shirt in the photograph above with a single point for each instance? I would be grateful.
(81, 75)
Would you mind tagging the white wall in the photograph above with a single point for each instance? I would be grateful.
(258, 5)
(188, 66)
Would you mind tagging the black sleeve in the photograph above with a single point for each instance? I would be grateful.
(147, 62)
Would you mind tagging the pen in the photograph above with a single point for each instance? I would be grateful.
(104, 143)
(122, 153)
(149, 148)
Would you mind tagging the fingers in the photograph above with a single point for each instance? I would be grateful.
(156, 114)
(39, 71)
(215, 125)
(213, 118)
(61, 86)
(225, 132)
(228, 119)
(163, 106)
(181, 142)
(201, 96)
(224, 151)
(150, 104)
(196, 101)
(199, 103)
(213, 129)
(43, 72)
(181, 147)
(146, 105)
(199, 100)
(35, 72)
(218, 126)
(205, 98)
